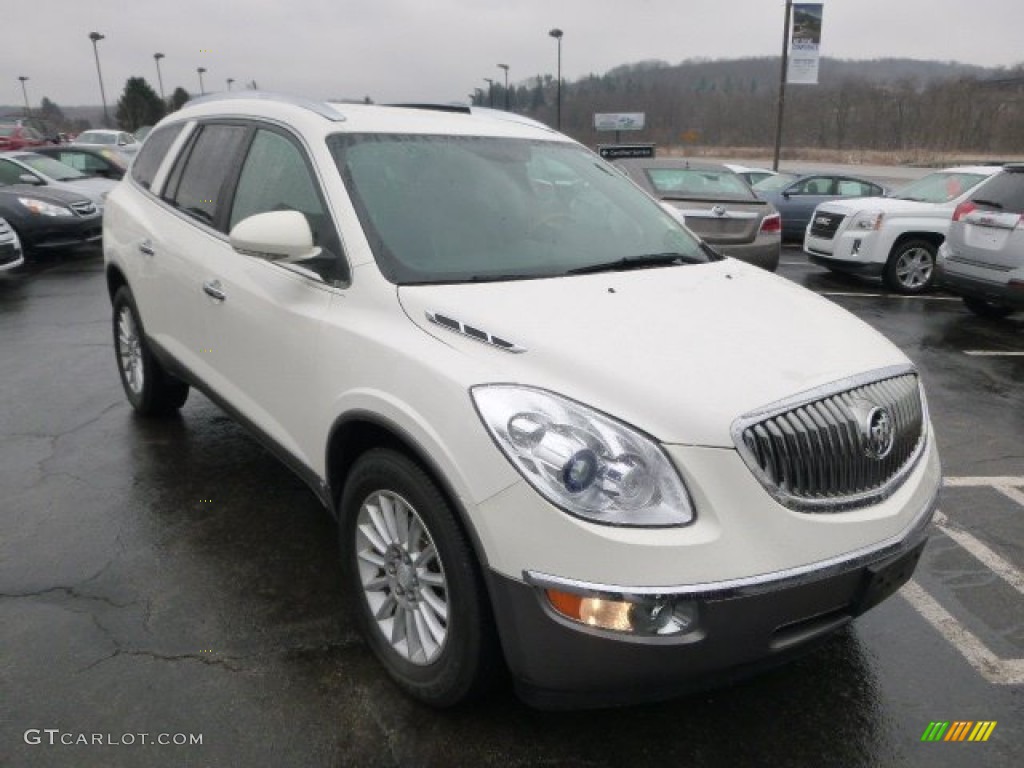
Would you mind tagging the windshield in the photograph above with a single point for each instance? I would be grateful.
(698, 183)
(775, 183)
(47, 166)
(465, 208)
(940, 187)
(95, 137)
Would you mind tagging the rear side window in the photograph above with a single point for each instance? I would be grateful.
(1005, 192)
(150, 156)
(196, 183)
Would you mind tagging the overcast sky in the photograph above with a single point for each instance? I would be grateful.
(440, 50)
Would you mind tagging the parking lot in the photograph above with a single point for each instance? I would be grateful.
(173, 579)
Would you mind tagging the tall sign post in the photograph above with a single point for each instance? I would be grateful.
(800, 56)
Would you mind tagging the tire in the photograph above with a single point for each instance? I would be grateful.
(425, 616)
(984, 308)
(911, 267)
(148, 387)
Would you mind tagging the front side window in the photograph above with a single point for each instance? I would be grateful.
(817, 185)
(148, 161)
(469, 208)
(197, 182)
(10, 173)
(276, 177)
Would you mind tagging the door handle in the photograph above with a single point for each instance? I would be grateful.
(146, 248)
(212, 288)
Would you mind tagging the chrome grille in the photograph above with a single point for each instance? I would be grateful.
(815, 453)
(825, 224)
(85, 208)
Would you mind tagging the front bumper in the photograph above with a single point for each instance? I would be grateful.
(47, 232)
(850, 250)
(744, 626)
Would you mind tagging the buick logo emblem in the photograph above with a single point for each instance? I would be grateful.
(879, 434)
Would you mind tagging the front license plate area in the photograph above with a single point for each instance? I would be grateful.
(884, 579)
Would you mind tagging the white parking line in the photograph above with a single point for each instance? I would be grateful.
(977, 654)
(1002, 568)
(887, 296)
(988, 665)
(992, 353)
(799, 264)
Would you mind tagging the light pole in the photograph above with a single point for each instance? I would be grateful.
(505, 67)
(159, 77)
(557, 34)
(490, 91)
(96, 37)
(28, 110)
(230, 81)
(202, 90)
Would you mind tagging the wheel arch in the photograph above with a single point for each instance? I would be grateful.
(935, 238)
(355, 432)
(115, 279)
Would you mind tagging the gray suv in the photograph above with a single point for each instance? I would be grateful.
(982, 259)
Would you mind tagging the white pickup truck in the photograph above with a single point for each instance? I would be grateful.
(895, 237)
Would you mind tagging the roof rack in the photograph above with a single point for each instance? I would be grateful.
(462, 109)
(319, 107)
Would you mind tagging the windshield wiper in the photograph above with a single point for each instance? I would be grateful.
(988, 203)
(635, 262)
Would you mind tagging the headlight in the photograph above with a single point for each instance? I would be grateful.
(40, 208)
(583, 461)
(868, 220)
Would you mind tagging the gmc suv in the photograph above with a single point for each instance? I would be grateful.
(558, 431)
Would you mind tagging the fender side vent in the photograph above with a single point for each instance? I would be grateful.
(472, 332)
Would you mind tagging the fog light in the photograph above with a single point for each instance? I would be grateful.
(856, 248)
(633, 614)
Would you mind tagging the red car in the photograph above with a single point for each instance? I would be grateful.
(14, 136)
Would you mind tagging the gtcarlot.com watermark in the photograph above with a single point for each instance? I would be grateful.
(57, 737)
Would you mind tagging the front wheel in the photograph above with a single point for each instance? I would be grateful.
(984, 308)
(149, 388)
(911, 267)
(412, 577)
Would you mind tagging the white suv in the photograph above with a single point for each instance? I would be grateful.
(558, 431)
(895, 237)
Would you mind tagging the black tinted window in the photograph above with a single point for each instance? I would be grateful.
(196, 190)
(151, 155)
(1006, 190)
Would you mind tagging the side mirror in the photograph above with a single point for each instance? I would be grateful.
(276, 236)
(122, 143)
(786, 193)
(28, 178)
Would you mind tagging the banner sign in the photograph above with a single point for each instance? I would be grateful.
(806, 40)
(620, 151)
(619, 121)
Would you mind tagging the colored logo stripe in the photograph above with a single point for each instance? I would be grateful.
(958, 730)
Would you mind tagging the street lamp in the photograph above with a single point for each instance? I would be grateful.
(28, 110)
(96, 37)
(159, 77)
(490, 91)
(557, 34)
(230, 81)
(505, 67)
(202, 90)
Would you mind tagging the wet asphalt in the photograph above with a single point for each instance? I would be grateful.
(172, 578)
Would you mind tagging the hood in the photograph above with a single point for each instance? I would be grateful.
(887, 205)
(48, 194)
(679, 352)
(92, 187)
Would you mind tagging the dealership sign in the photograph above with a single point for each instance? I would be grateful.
(619, 121)
(805, 42)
